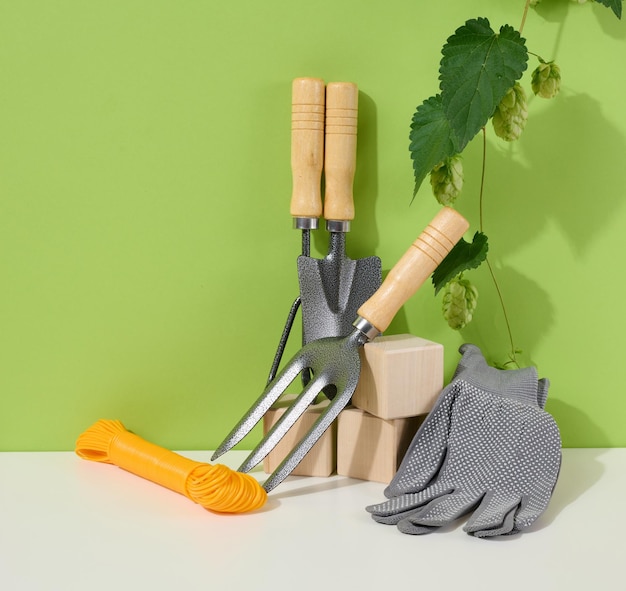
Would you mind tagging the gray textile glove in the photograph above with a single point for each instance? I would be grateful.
(487, 446)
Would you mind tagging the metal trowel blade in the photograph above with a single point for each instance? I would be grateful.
(332, 290)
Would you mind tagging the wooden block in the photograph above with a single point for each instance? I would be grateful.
(321, 459)
(371, 448)
(401, 376)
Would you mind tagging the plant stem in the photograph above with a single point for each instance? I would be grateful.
(493, 276)
(482, 180)
(521, 27)
(506, 318)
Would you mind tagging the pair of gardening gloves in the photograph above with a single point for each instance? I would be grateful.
(487, 447)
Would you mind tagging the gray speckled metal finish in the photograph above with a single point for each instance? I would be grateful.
(334, 288)
(333, 361)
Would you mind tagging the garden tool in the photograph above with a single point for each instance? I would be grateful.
(335, 361)
(332, 289)
(307, 161)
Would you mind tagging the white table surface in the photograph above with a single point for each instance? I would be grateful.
(67, 524)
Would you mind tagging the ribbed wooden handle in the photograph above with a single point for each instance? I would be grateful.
(415, 266)
(342, 101)
(307, 146)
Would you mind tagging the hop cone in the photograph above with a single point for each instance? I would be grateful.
(546, 80)
(459, 302)
(511, 114)
(446, 179)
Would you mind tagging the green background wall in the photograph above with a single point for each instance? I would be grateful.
(147, 260)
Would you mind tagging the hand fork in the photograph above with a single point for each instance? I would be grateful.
(335, 361)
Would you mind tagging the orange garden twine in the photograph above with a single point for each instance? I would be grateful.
(215, 487)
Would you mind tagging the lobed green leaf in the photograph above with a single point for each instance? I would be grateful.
(462, 257)
(430, 138)
(478, 67)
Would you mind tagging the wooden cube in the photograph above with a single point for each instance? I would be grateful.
(401, 376)
(321, 459)
(371, 448)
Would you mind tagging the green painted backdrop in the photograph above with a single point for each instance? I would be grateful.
(147, 260)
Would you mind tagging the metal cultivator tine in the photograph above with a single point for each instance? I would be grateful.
(335, 360)
(303, 447)
(270, 395)
(286, 421)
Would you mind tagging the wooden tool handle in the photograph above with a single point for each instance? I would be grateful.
(415, 266)
(342, 99)
(307, 146)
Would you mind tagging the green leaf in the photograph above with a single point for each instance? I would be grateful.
(462, 257)
(614, 5)
(430, 139)
(478, 67)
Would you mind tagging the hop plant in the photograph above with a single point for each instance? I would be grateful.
(546, 80)
(459, 302)
(446, 180)
(511, 114)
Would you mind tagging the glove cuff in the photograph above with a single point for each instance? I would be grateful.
(518, 384)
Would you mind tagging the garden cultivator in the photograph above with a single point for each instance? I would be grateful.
(334, 362)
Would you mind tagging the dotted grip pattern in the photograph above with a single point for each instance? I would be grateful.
(487, 446)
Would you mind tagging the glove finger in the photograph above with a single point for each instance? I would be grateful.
(408, 527)
(443, 510)
(531, 508)
(542, 458)
(394, 518)
(427, 454)
(427, 451)
(505, 528)
(408, 502)
(521, 515)
(491, 512)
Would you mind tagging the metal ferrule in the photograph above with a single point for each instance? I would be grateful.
(338, 225)
(366, 327)
(305, 223)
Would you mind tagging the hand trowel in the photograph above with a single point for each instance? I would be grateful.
(333, 289)
(308, 97)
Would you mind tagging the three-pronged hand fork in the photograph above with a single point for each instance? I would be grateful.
(335, 361)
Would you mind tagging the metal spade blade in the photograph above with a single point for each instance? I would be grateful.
(332, 290)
